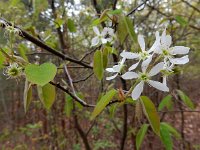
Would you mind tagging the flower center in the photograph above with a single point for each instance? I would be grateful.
(143, 55)
(165, 53)
(144, 77)
(13, 72)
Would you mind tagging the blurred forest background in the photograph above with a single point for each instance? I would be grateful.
(66, 25)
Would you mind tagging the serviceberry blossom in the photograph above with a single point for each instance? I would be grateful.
(115, 69)
(169, 53)
(107, 35)
(13, 71)
(144, 55)
(161, 54)
(145, 76)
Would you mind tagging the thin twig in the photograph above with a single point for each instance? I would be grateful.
(136, 8)
(72, 95)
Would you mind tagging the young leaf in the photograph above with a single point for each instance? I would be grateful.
(98, 64)
(181, 20)
(166, 137)
(71, 26)
(115, 12)
(2, 59)
(121, 30)
(140, 135)
(22, 51)
(103, 102)
(151, 114)
(105, 57)
(187, 101)
(27, 95)
(166, 102)
(59, 22)
(47, 95)
(130, 28)
(42, 74)
(172, 130)
(103, 16)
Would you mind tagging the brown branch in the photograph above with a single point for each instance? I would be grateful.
(84, 79)
(72, 95)
(41, 44)
(114, 4)
(82, 133)
(60, 33)
(136, 8)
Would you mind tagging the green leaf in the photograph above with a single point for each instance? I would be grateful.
(172, 130)
(27, 95)
(2, 59)
(103, 102)
(140, 135)
(42, 74)
(130, 28)
(98, 64)
(122, 31)
(22, 51)
(115, 12)
(71, 26)
(59, 22)
(181, 20)
(112, 110)
(166, 102)
(105, 57)
(166, 137)
(103, 16)
(187, 101)
(151, 114)
(68, 105)
(47, 95)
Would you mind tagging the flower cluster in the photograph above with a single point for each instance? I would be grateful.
(160, 58)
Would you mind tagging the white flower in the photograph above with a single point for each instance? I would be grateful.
(169, 52)
(115, 69)
(143, 77)
(13, 71)
(107, 35)
(144, 55)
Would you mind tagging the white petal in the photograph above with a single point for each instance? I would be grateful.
(158, 85)
(130, 75)
(166, 40)
(103, 40)
(146, 63)
(165, 80)
(122, 61)
(179, 50)
(141, 42)
(110, 31)
(96, 30)
(133, 66)
(111, 77)
(156, 69)
(137, 90)
(110, 69)
(116, 68)
(156, 45)
(183, 60)
(95, 41)
(129, 55)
